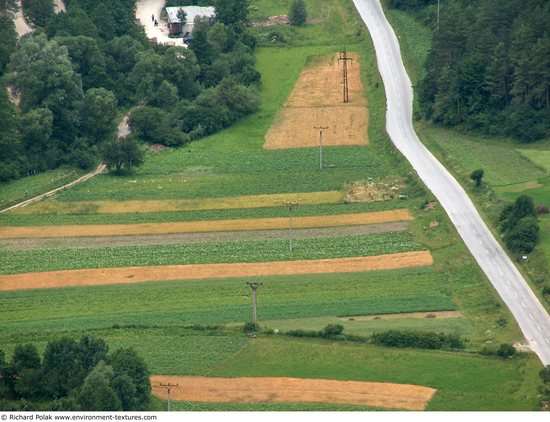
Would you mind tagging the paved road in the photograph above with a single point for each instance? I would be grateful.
(532, 318)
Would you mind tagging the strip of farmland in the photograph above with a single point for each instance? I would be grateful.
(127, 275)
(205, 226)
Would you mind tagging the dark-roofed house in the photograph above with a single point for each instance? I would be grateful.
(191, 12)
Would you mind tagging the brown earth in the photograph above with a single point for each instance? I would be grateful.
(204, 226)
(317, 100)
(178, 238)
(164, 205)
(293, 390)
(127, 275)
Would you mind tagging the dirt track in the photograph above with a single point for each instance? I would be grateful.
(294, 390)
(128, 275)
(205, 226)
(317, 100)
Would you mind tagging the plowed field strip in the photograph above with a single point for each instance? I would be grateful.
(205, 226)
(127, 275)
(233, 202)
(178, 238)
(294, 390)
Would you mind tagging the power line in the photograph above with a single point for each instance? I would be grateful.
(320, 128)
(343, 56)
(168, 388)
(254, 286)
(290, 205)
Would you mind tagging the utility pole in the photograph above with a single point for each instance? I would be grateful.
(343, 56)
(321, 128)
(254, 286)
(169, 388)
(290, 205)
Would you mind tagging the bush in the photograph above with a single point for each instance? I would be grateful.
(297, 15)
(332, 330)
(506, 351)
(418, 340)
(249, 327)
(303, 333)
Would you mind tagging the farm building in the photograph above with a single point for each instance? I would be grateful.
(191, 12)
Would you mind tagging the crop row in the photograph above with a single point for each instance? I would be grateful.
(15, 261)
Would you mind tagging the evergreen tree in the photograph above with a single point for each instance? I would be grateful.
(297, 15)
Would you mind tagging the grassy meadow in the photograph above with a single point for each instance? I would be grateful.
(157, 318)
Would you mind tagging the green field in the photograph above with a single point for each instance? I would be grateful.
(19, 261)
(223, 301)
(464, 382)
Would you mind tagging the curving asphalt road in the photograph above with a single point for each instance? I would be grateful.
(530, 315)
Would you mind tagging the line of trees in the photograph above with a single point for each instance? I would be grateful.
(73, 75)
(489, 66)
(74, 375)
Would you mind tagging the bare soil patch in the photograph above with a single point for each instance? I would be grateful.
(273, 20)
(374, 190)
(127, 275)
(205, 226)
(317, 100)
(230, 202)
(294, 390)
(177, 238)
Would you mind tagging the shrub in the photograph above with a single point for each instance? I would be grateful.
(506, 351)
(297, 15)
(332, 330)
(249, 327)
(303, 333)
(418, 339)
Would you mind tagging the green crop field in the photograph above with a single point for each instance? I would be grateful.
(19, 261)
(224, 301)
(464, 382)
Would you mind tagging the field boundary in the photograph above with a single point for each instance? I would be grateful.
(129, 275)
(294, 390)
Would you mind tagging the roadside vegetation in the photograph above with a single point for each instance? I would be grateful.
(463, 152)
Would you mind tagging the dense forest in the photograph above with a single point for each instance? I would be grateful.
(74, 375)
(71, 78)
(489, 66)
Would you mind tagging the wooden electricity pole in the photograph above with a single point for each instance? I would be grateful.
(343, 56)
(290, 205)
(254, 286)
(169, 388)
(320, 128)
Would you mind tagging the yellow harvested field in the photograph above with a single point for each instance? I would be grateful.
(205, 226)
(230, 202)
(317, 100)
(128, 275)
(293, 390)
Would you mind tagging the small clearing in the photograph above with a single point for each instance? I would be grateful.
(317, 100)
(128, 275)
(293, 390)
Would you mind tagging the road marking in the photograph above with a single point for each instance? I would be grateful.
(538, 328)
(522, 305)
(531, 316)
(508, 283)
(516, 293)
(493, 261)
